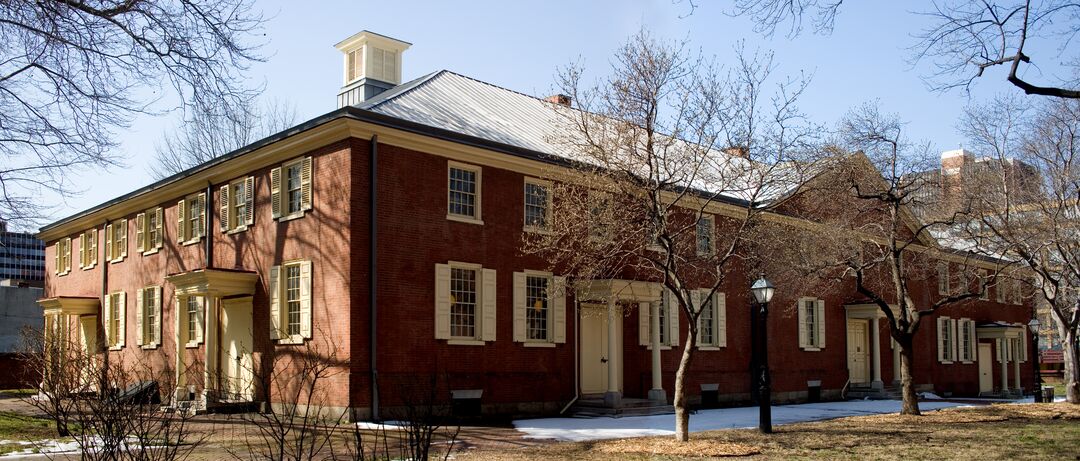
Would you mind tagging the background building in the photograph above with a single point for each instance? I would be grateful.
(22, 258)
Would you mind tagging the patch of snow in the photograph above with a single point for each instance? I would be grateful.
(385, 425)
(582, 429)
(929, 396)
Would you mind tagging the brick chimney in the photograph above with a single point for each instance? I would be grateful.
(560, 99)
(372, 64)
(738, 151)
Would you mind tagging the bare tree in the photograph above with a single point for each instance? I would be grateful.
(210, 133)
(878, 213)
(646, 166)
(74, 73)
(1029, 211)
(771, 14)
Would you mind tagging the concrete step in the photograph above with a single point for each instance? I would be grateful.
(592, 408)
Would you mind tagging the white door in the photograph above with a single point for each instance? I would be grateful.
(858, 351)
(88, 339)
(237, 365)
(595, 356)
(986, 368)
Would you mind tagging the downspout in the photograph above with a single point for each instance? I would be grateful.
(372, 274)
(577, 355)
(208, 211)
(101, 338)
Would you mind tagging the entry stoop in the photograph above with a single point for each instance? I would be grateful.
(594, 408)
(858, 392)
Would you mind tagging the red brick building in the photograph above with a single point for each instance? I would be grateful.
(389, 231)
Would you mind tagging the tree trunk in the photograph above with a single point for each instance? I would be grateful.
(1071, 348)
(907, 382)
(682, 413)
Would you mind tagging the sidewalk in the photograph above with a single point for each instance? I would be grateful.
(581, 429)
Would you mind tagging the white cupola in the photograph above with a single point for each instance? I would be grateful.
(372, 64)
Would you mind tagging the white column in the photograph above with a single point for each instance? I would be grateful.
(210, 336)
(875, 355)
(612, 397)
(1003, 347)
(895, 360)
(1016, 361)
(657, 392)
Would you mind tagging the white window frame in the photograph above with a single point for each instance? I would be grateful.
(477, 171)
(811, 328)
(556, 308)
(116, 240)
(478, 293)
(63, 256)
(280, 327)
(115, 320)
(718, 320)
(946, 339)
(944, 285)
(984, 286)
(546, 228)
(711, 250)
(144, 232)
(486, 310)
(228, 210)
(185, 226)
(149, 334)
(199, 321)
(966, 341)
(279, 189)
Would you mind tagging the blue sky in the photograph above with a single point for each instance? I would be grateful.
(520, 45)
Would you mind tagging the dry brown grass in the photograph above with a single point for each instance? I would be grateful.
(1043, 431)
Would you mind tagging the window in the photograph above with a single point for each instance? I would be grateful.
(943, 278)
(88, 249)
(711, 322)
(600, 216)
(115, 312)
(965, 283)
(662, 320)
(193, 320)
(116, 240)
(984, 291)
(290, 302)
(705, 231)
(537, 204)
(668, 321)
(63, 256)
(463, 201)
(191, 218)
(946, 339)
(967, 340)
(236, 207)
(999, 289)
(291, 198)
(811, 324)
(148, 231)
(465, 304)
(148, 317)
(539, 308)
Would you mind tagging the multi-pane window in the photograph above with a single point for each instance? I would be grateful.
(239, 203)
(943, 278)
(984, 292)
(148, 230)
(116, 240)
(463, 302)
(191, 218)
(464, 188)
(150, 306)
(705, 235)
(966, 346)
(192, 318)
(88, 249)
(537, 205)
(661, 320)
(153, 227)
(809, 307)
(235, 204)
(707, 332)
(293, 188)
(115, 318)
(946, 339)
(292, 299)
(195, 212)
(63, 256)
(537, 307)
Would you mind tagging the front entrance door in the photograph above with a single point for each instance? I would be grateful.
(986, 369)
(595, 356)
(858, 351)
(88, 332)
(237, 366)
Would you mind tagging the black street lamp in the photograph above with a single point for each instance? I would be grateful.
(1033, 325)
(763, 293)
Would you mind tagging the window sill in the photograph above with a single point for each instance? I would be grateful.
(708, 348)
(191, 241)
(537, 344)
(191, 345)
(811, 349)
(236, 230)
(464, 219)
(290, 217)
(115, 348)
(150, 252)
(149, 347)
(663, 347)
(538, 230)
(946, 362)
(291, 340)
(967, 362)
(117, 260)
(465, 342)
(654, 248)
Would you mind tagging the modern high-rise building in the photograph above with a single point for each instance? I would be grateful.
(22, 257)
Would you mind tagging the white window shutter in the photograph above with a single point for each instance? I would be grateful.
(972, 344)
(803, 336)
(223, 207)
(93, 258)
(121, 330)
(820, 319)
(106, 315)
(1023, 345)
(941, 339)
(672, 313)
(140, 304)
(442, 301)
(201, 231)
(200, 319)
(305, 299)
(955, 344)
(123, 238)
(56, 256)
(181, 221)
(82, 250)
(488, 296)
(558, 303)
(249, 201)
(140, 232)
(519, 307)
(67, 254)
(720, 311)
(159, 226)
(697, 301)
(157, 316)
(305, 184)
(644, 325)
(275, 302)
(275, 192)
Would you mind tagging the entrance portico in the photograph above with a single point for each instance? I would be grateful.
(219, 289)
(614, 294)
(864, 344)
(1008, 340)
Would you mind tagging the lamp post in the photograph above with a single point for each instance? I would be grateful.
(1033, 325)
(763, 293)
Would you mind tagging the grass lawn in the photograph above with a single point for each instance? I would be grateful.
(1033, 431)
(16, 427)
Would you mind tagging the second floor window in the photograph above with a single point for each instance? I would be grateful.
(148, 230)
(705, 230)
(537, 205)
(191, 218)
(235, 203)
(290, 189)
(463, 199)
(116, 240)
